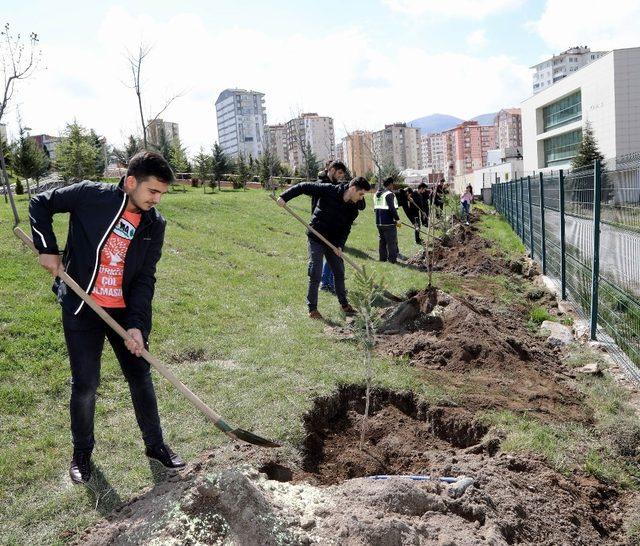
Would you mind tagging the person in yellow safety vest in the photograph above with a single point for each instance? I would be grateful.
(385, 206)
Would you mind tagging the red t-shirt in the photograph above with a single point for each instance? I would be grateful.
(107, 291)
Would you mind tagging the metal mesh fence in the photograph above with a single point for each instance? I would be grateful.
(584, 221)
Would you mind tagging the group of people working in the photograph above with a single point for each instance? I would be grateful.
(114, 243)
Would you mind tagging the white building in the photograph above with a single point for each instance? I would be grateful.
(509, 128)
(241, 119)
(560, 66)
(432, 155)
(413, 177)
(606, 93)
(276, 142)
(313, 130)
(399, 145)
(158, 126)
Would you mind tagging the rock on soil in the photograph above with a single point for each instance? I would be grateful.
(559, 334)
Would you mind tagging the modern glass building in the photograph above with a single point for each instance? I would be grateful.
(605, 93)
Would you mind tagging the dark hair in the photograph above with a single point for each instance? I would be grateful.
(145, 164)
(337, 165)
(422, 185)
(388, 181)
(361, 183)
(469, 186)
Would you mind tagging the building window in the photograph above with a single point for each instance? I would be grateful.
(566, 110)
(562, 148)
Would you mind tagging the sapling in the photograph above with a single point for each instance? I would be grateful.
(364, 326)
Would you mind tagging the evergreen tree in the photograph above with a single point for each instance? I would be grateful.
(6, 150)
(220, 164)
(203, 168)
(76, 154)
(178, 157)
(101, 148)
(163, 147)
(132, 147)
(311, 165)
(243, 173)
(268, 166)
(588, 151)
(27, 159)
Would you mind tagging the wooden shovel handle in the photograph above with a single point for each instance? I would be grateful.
(162, 369)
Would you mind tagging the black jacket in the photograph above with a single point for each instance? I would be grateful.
(94, 210)
(408, 207)
(322, 179)
(332, 216)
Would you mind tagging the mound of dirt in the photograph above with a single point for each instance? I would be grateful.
(466, 342)
(229, 497)
(464, 252)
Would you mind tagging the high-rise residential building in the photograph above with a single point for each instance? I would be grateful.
(508, 124)
(276, 142)
(341, 150)
(312, 130)
(604, 93)
(560, 66)
(358, 147)
(433, 152)
(469, 145)
(47, 144)
(157, 127)
(3, 132)
(241, 116)
(398, 144)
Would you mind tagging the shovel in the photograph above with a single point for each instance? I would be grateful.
(217, 420)
(335, 249)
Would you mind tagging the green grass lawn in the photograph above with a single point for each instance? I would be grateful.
(229, 319)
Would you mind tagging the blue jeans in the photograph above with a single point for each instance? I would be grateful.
(327, 277)
(466, 207)
(318, 251)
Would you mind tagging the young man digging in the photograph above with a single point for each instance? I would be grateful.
(336, 209)
(114, 243)
(333, 174)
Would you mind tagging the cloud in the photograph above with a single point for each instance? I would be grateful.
(477, 38)
(463, 9)
(368, 84)
(567, 23)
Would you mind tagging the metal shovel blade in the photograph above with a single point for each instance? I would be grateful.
(252, 438)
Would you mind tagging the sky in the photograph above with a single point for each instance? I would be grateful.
(364, 63)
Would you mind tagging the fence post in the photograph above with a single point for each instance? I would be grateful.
(522, 208)
(517, 207)
(530, 218)
(595, 266)
(543, 245)
(563, 257)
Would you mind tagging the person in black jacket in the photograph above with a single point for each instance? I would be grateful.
(114, 243)
(385, 204)
(407, 198)
(334, 173)
(338, 206)
(422, 200)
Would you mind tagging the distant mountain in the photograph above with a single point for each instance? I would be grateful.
(485, 119)
(436, 123)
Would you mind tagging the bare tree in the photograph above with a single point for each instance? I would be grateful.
(18, 61)
(135, 64)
